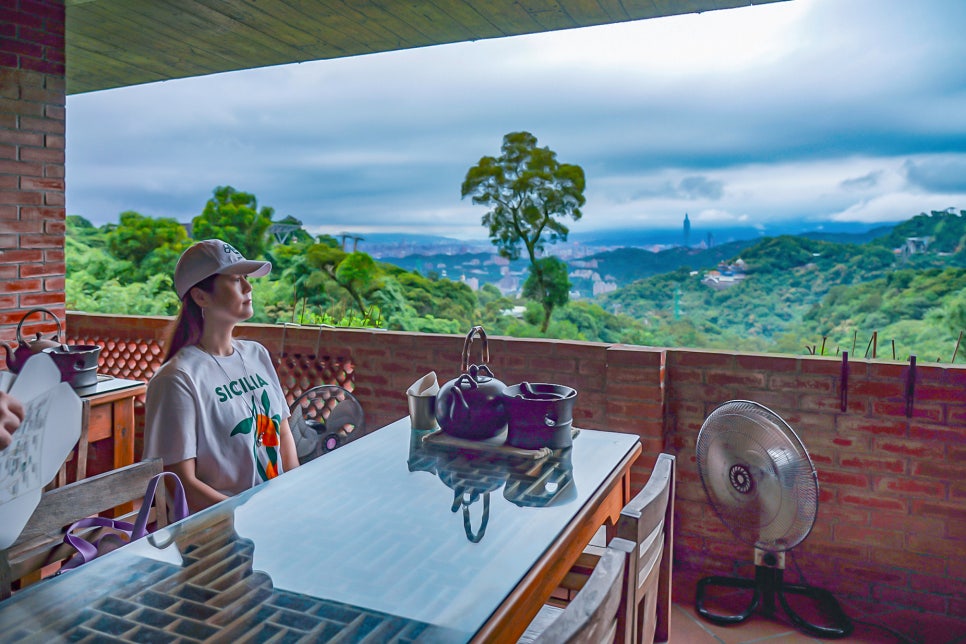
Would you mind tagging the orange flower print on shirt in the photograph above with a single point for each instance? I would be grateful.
(268, 471)
(265, 438)
(267, 429)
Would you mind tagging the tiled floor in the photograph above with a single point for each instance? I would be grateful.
(870, 626)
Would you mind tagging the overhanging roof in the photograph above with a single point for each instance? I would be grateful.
(116, 43)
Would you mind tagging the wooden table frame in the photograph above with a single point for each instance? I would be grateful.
(112, 414)
(105, 414)
(511, 619)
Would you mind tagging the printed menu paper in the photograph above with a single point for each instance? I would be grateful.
(49, 431)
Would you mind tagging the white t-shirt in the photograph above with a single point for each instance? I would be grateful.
(222, 411)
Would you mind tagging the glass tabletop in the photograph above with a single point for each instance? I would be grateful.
(388, 532)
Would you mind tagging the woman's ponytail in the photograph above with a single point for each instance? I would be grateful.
(191, 320)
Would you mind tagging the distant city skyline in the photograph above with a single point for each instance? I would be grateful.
(784, 114)
(583, 243)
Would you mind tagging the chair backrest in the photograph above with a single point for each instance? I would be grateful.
(41, 542)
(648, 522)
(592, 616)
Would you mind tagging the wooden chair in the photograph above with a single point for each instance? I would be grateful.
(42, 541)
(644, 535)
(648, 522)
(593, 615)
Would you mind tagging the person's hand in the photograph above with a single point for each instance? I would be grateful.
(11, 413)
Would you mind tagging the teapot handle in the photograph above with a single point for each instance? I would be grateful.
(475, 537)
(459, 409)
(485, 354)
(60, 328)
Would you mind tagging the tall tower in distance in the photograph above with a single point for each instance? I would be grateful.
(687, 231)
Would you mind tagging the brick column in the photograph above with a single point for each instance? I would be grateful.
(32, 126)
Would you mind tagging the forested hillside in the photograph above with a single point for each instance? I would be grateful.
(800, 294)
(313, 281)
(626, 265)
(788, 294)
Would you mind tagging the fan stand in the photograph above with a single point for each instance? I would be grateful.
(769, 570)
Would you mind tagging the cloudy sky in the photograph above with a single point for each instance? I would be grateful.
(808, 110)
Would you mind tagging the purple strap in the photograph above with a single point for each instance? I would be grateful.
(180, 505)
(86, 551)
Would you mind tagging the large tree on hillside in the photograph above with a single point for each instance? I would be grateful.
(550, 286)
(529, 193)
(234, 217)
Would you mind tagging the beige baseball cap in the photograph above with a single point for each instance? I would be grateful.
(210, 257)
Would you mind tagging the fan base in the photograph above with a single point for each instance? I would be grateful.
(768, 584)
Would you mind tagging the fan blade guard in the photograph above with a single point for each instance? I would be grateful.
(757, 475)
(324, 418)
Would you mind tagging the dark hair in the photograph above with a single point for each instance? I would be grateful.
(191, 320)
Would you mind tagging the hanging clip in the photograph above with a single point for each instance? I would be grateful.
(844, 386)
(910, 386)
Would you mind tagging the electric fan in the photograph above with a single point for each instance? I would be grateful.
(763, 486)
(324, 418)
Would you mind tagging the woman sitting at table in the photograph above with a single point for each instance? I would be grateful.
(216, 413)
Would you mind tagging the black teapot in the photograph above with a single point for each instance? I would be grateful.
(471, 406)
(24, 350)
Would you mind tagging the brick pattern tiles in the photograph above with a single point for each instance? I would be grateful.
(138, 359)
(123, 356)
(299, 373)
(216, 596)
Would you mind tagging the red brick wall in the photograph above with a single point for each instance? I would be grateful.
(891, 525)
(32, 107)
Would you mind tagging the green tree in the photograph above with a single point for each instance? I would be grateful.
(356, 273)
(529, 192)
(154, 296)
(234, 217)
(81, 229)
(488, 293)
(548, 285)
(136, 236)
(151, 245)
(951, 314)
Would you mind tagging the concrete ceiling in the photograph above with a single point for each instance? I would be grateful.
(116, 43)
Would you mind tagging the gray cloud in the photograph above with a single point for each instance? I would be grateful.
(865, 182)
(701, 187)
(945, 174)
(830, 99)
